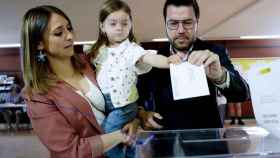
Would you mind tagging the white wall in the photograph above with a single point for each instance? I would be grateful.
(219, 19)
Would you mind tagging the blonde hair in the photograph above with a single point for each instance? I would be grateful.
(37, 75)
(109, 7)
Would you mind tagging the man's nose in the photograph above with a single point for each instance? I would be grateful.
(181, 28)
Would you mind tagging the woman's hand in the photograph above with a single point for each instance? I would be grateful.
(130, 131)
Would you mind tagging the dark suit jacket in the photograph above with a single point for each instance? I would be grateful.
(201, 112)
(64, 121)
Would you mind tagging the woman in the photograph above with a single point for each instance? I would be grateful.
(64, 103)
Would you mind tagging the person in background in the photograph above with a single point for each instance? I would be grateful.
(64, 103)
(235, 108)
(118, 61)
(7, 114)
(235, 112)
(14, 97)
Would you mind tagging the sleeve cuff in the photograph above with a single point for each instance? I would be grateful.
(226, 83)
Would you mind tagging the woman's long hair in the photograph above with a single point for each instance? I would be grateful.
(37, 75)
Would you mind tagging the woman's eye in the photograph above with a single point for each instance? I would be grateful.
(70, 29)
(58, 33)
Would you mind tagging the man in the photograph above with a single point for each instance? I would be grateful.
(181, 23)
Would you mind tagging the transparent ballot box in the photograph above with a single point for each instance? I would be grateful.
(247, 142)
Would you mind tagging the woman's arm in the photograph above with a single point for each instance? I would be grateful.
(112, 139)
(130, 130)
(59, 136)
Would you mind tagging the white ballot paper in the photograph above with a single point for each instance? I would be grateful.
(264, 85)
(188, 81)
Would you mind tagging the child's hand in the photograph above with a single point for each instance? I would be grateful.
(174, 59)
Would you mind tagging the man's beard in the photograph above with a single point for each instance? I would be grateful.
(182, 49)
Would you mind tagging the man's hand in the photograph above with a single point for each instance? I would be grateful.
(148, 119)
(130, 130)
(211, 62)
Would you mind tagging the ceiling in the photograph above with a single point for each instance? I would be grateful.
(220, 19)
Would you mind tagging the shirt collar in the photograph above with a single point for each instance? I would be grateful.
(121, 47)
(174, 51)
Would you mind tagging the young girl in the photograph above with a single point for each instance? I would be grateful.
(118, 61)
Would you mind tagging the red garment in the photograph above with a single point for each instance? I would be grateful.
(65, 123)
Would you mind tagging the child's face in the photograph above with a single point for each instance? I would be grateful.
(117, 27)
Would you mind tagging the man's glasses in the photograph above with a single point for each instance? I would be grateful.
(174, 24)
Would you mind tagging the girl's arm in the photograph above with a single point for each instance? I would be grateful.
(160, 61)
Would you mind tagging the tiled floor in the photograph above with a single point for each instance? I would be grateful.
(248, 122)
(21, 144)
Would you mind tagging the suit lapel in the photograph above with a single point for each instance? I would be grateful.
(76, 102)
(90, 75)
